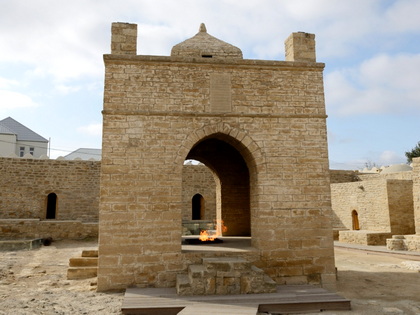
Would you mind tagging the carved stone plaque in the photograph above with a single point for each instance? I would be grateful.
(220, 93)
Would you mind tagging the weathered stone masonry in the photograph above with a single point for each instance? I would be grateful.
(259, 125)
(416, 193)
(25, 187)
(200, 183)
(383, 205)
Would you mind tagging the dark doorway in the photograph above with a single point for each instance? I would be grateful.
(197, 207)
(51, 206)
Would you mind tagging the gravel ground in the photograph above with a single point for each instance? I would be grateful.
(34, 282)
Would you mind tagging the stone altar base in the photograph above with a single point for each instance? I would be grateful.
(364, 237)
(404, 242)
(224, 275)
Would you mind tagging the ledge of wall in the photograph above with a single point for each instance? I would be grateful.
(11, 229)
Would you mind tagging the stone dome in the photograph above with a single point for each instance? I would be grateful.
(397, 168)
(204, 45)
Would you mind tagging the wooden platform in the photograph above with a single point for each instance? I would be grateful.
(287, 299)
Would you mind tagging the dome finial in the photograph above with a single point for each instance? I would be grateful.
(203, 28)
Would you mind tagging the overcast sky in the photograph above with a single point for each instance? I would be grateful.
(51, 66)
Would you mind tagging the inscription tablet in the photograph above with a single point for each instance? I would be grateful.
(220, 93)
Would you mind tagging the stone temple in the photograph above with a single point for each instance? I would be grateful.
(258, 125)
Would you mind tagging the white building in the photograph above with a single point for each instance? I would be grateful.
(17, 139)
(85, 154)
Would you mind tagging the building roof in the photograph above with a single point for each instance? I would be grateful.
(204, 45)
(11, 126)
(396, 168)
(85, 154)
(6, 131)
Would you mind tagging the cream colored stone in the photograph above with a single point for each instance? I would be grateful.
(263, 148)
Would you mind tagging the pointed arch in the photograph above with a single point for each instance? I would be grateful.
(239, 138)
(238, 161)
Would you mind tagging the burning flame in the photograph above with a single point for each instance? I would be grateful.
(211, 235)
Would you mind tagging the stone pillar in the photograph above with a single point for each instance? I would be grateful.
(416, 193)
(124, 39)
(300, 47)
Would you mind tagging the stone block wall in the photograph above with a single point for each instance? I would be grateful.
(198, 179)
(26, 183)
(364, 237)
(12, 229)
(397, 175)
(300, 47)
(124, 38)
(416, 193)
(382, 205)
(159, 111)
(343, 176)
(401, 207)
(404, 242)
(368, 198)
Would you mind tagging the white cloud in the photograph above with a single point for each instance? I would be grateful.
(7, 83)
(67, 39)
(385, 158)
(51, 45)
(390, 158)
(94, 129)
(381, 85)
(53, 38)
(67, 89)
(11, 100)
(403, 15)
(336, 139)
(348, 165)
(154, 39)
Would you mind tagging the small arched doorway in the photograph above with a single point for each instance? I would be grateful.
(198, 207)
(355, 220)
(51, 206)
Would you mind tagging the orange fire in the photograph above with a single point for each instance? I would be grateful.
(211, 235)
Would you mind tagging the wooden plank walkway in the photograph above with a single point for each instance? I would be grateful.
(288, 298)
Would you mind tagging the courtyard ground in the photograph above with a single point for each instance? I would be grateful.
(34, 282)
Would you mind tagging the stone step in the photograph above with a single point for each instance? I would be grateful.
(270, 281)
(90, 253)
(196, 271)
(83, 262)
(226, 264)
(82, 273)
(224, 275)
(183, 285)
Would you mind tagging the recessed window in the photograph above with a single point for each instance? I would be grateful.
(21, 151)
(355, 220)
(51, 206)
(31, 151)
(197, 207)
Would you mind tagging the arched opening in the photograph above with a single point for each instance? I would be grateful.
(355, 220)
(221, 154)
(51, 206)
(198, 207)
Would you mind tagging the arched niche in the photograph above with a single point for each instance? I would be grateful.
(51, 211)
